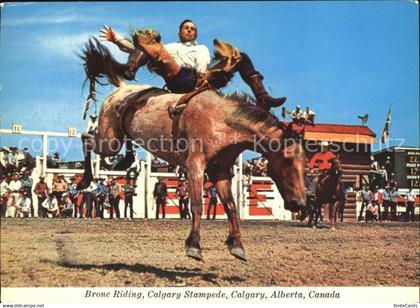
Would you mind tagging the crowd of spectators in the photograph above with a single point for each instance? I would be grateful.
(63, 199)
(382, 176)
(256, 167)
(381, 204)
(13, 160)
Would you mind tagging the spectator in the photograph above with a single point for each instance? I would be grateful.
(377, 201)
(184, 200)
(393, 182)
(374, 177)
(366, 199)
(212, 192)
(55, 160)
(129, 190)
(87, 199)
(59, 186)
(297, 115)
(388, 165)
(386, 199)
(4, 192)
(13, 160)
(159, 193)
(92, 127)
(99, 196)
(14, 187)
(261, 166)
(114, 197)
(410, 202)
(28, 162)
(248, 168)
(4, 160)
(383, 177)
(50, 206)
(23, 205)
(41, 191)
(66, 206)
(372, 211)
(393, 204)
(73, 195)
(27, 183)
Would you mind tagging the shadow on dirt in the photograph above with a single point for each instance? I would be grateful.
(172, 275)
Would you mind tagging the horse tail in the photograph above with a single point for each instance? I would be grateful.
(99, 63)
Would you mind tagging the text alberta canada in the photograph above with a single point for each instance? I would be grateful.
(215, 294)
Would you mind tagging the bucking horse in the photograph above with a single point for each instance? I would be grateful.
(212, 131)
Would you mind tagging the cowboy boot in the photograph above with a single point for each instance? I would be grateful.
(135, 60)
(264, 100)
(162, 62)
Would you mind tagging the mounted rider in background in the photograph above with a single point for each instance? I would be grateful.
(323, 160)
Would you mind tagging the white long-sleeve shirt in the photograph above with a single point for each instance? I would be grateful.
(190, 54)
(15, 185)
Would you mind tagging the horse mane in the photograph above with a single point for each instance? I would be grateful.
(246, 115)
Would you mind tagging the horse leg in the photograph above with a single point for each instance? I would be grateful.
(88, 145)
(128, 159)
(332, 206)
(196, 167)
(233, 241)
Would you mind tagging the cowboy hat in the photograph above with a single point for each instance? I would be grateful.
(325, 143)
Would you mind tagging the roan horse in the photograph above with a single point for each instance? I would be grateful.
(329, 191)
(214, 131)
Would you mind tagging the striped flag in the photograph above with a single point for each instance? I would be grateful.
(385, 132)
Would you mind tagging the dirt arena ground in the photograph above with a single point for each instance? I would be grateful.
(144, 253)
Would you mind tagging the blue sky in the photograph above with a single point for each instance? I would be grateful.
(341, 58)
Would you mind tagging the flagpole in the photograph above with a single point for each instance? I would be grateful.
(390, 123)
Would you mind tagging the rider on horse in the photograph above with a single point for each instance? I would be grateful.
(324, 159)
(186, 65)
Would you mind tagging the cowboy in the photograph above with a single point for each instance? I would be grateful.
(298, 115)
(184, 198)
(41, 191)
(23, 204)
(160, 193)
(92, 126)
(324, 157)
(50, 206)
(27, 183)
(186, 65)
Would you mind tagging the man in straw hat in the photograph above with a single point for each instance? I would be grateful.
(41, 191)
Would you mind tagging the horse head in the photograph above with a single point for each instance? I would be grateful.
(286, 167)
(336, 165)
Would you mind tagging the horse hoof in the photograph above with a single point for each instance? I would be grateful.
(238, 253)
(194, 253)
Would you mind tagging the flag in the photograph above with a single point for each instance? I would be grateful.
(385, 132)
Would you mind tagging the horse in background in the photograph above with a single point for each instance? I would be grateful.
(213, 130)
(330, 191)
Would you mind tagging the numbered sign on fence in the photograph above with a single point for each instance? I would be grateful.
(16, 128)
(71, 132)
